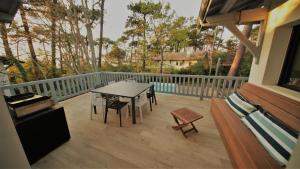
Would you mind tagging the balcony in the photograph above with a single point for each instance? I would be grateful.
(152, 143)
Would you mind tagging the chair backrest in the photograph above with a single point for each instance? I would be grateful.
(283, 108)
(110, 99)
(151, 89)
(143, 98)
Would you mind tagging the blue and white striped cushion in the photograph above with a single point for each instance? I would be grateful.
(277, 138)
(239, 104)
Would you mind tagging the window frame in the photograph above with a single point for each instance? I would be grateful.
(289, 59)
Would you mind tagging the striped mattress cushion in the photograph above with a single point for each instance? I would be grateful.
(278, 139)
(239, 104)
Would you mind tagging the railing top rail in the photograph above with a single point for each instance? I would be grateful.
(183, 75)
(126, 73)
(48, 80)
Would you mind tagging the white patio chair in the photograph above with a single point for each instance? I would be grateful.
(97, 100)
(140, 101)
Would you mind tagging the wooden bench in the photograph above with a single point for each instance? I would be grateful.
(186, 116)
(243, 148)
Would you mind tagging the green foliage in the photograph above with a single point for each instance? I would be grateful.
(194, 37)
(245, 65)
(116, 54)
(178, 34)
(196, 69)
(231, 46)
(119, 68)
(151, 30)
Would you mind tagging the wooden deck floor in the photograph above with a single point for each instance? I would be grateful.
(153, 144)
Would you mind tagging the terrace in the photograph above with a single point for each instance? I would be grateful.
(153, 143)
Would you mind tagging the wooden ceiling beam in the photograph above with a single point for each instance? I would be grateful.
(253, 15)
(240, 18)
(232, 17)
(230, 20)
(254, 50)
(228, 5)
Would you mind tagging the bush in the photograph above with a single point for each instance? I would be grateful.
(245, 65)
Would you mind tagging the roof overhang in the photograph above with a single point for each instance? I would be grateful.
(212, 8)
(7, 62)
(229, 13)
(8, 9)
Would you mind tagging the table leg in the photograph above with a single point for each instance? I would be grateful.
(133, 110)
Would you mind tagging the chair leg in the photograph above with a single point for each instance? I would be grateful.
(120, 115)
(103, 109)
(91, 114)
(155, 99)
(105, 116)
(95, 110)
(150, 104)
(103, 112)
(128, 113)
(141, 114)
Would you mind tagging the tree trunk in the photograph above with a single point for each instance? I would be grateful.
(53, 38)
(144, 46)
(74, 65)
(9, 53)
(88, 26)
(131, 50)
(79, 42)
(161, 60)
(60, 53)
(30, 43)
(239, 52)
(101, 32)
(91, 45)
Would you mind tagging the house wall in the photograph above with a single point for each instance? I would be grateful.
(277, 35)
(178, 64)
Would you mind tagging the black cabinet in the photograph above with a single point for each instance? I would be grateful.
(42, 132)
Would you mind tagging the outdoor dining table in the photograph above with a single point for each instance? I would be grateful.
(125, 89)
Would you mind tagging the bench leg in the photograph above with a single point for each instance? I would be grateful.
(194, 127)
(180, 126)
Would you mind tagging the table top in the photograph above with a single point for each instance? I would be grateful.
(124, 89)
(186, 115)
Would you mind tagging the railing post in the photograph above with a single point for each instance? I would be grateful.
(202, 87)
(52, 89)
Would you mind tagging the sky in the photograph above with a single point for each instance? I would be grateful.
(117, 13)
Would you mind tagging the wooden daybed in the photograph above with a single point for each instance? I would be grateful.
(242, 146)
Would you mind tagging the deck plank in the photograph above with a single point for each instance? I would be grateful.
(153, 144)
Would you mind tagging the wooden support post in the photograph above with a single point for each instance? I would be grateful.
(254, 50)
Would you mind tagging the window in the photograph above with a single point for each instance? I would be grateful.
(290, 74)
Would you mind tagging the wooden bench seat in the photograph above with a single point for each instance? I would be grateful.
(243, 148)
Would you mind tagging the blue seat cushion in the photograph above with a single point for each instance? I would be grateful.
(277, 138)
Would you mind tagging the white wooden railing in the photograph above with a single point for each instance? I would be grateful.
(190, 85)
